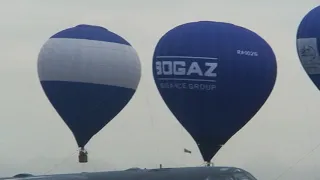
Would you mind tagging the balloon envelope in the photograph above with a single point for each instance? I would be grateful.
(214, 77)
(89, 74)
(308, 43)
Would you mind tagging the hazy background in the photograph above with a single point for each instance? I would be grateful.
(34, 139)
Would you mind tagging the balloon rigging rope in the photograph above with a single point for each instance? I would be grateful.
(297, 162)
(58, 164)
(149, 107)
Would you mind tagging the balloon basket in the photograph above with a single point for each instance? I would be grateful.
(83, 157)
(208, 164)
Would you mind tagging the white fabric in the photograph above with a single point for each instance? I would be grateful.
(89, 61)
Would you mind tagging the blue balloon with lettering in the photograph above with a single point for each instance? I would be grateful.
(214, 77)
(308, 44)
(89, 74)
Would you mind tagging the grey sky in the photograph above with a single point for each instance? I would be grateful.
(34, 139)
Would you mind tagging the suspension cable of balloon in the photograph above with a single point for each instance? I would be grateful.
(55, 166)
(297, 162)
(149, 109)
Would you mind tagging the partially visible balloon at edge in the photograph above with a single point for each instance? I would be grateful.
(308, 44)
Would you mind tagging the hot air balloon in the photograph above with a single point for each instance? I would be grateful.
(89, 74)
(308, 43)
(214, 77)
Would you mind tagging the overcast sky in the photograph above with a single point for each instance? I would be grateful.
(34, 139)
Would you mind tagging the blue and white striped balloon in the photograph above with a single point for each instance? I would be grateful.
(89, 74)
